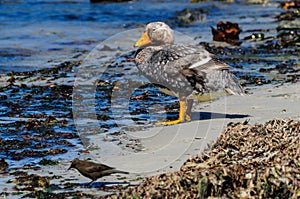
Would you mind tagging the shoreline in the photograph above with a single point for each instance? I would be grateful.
(263, 104)
(41, 64)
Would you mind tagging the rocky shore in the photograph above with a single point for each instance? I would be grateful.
(253, 141)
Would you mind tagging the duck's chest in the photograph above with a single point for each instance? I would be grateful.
(150, 66)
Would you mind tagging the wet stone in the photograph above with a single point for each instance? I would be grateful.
(3, 165)
(190, 16)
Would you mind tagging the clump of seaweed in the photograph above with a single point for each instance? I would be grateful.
(31, 182)
(46, 194)
(227, 32)
(246, 161)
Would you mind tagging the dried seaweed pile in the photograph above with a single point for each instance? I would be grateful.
(259, 161)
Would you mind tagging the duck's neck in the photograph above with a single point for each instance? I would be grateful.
(145, 54)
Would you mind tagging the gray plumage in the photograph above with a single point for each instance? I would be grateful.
(189, 71)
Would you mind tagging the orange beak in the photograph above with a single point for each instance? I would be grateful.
(143, 41)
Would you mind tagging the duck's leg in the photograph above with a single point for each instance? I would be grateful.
(182, 111)
(188, 116)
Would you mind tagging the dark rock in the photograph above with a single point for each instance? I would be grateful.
(190, 16)
(255, 37)
(3, 165)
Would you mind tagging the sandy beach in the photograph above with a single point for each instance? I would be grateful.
(160, 155)
(168, 147)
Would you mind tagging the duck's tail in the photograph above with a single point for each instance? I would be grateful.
(232, 85)
(223, 81)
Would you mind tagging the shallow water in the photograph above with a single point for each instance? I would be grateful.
(38, 34)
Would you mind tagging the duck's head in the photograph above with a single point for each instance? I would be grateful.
(156, 34)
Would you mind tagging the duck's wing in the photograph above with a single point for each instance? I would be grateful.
(203, 71)
(186, 69)
(174, 58)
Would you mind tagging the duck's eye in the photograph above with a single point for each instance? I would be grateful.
(153, 30)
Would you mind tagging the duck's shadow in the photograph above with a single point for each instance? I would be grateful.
(210, 115)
